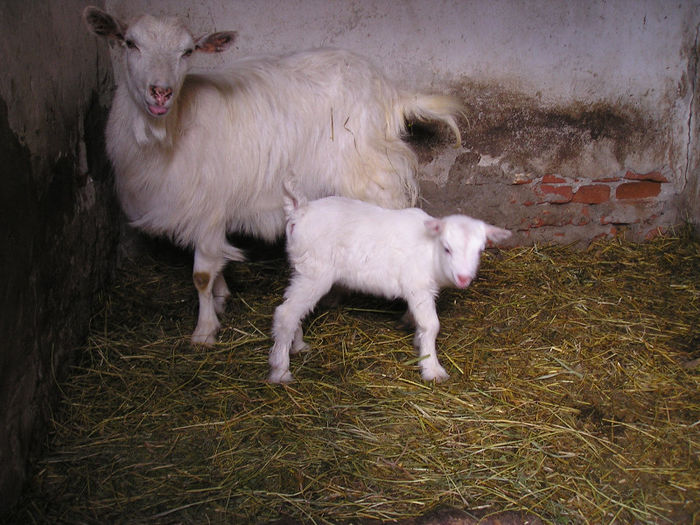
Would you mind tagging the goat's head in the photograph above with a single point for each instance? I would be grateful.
(156, 55)
(460, 241)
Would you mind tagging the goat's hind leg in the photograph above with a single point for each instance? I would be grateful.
(220, 290)
(221, 293)
(301, 296)
(299, 345)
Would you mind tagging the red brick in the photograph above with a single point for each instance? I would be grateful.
(592, 194)
(652, 234)
(607, 179)
(638, 190)
(653, 176)
(556, 194)
(552, 179)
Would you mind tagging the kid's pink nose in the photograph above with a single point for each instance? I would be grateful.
(463, 281)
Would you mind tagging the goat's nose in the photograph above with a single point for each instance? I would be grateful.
(161, 94)
(463, 280)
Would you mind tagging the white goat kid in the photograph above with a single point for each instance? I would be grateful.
(197, 156)
(393, 253)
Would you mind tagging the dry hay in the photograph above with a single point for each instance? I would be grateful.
(573, 397)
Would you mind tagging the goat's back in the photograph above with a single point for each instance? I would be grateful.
(220, 157)
(363, 246)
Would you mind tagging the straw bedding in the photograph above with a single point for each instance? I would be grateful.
(574, 398)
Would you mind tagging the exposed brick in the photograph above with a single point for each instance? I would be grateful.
(552, 179)
(555, 194)
(585, 217)
(656, 232)
(607, 179)
(638, 190)
(545, 218)
(653, 176)
(592, 194)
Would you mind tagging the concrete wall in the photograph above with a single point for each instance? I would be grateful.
(578, 113)
(58, 215)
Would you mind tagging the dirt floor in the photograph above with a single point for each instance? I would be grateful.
(574, 397)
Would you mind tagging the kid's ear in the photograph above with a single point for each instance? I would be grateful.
(215, 42)
(435, 226)
(495, 234)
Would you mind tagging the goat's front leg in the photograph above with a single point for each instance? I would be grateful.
(206, 272)
(427, 327)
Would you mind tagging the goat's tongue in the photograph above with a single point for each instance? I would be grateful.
(157, 110)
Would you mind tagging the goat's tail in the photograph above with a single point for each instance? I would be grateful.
(435, 107)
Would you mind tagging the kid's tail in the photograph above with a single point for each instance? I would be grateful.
(292, 200)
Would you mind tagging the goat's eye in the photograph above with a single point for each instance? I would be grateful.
(447, 249)
(130, 44)
(187, 53)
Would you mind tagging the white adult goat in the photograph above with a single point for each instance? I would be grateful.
(197, 156)
(393, 253)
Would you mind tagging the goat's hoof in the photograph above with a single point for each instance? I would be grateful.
(205, 333)
(204, 339)
(297, 349)
(438, 374)
(280, 377)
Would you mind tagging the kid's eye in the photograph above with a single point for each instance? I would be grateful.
(130, 44)
(447, 249)
(187, 53)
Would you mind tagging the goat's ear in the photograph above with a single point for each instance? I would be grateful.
(435, 226)
(496, 234)
(215, 42)
(103, 24)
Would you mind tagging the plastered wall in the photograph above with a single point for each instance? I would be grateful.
(566, 102)
(58, 215)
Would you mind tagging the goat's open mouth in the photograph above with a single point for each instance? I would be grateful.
(156, 110)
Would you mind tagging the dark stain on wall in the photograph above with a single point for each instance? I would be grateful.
(59, 238)
(550, 173)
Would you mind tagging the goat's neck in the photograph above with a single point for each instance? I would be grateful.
(149, 131)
